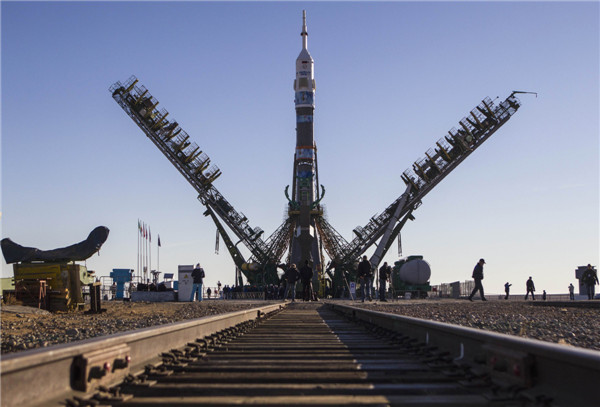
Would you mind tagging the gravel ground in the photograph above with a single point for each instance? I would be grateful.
(28, 328)
(552, 322)
(24, 328)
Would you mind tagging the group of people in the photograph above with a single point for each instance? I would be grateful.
(529, 286)
(365, 276)
(292, 275)
(589, 278)
(226, 291)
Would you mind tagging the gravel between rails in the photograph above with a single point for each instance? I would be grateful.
(558, 322)
(24, 329)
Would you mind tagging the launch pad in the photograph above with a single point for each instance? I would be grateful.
(306, 235)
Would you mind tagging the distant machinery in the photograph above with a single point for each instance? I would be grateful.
(305, 232)
(50, 279)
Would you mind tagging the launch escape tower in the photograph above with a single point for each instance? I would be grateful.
(305, 233)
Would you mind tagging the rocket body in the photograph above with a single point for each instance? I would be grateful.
(304, 244)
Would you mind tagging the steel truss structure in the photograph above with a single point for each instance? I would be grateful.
(474, 129)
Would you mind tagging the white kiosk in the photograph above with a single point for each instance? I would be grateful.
(185, 283)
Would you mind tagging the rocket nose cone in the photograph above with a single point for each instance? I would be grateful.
(304, 56)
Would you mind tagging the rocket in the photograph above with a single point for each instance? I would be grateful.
(305, 194)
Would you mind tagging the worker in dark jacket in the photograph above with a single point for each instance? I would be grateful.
(590, 279)
(306, 275)
(384, 274)
(477, 277)
(507, 290)
(365, 275)
(530, 289)
(291, 276)
(197, 276)
(571, 291)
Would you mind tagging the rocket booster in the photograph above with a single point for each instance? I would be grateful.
(305, 189)
(304, 88)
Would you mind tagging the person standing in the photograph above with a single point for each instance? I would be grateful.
(590, 279)
(530, 289)
(291, 276)
(477, 277)
(365, 275)
(384, 274)
(306, 275)
(507, 290)
(571, 292)
(197, 276)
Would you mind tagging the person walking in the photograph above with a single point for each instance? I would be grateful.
(197, 276)
(530, 289)
(365, 275)
(571, 292)
(590, 279)
(478, 276)
(306, 275)
(507, 290)
(384, 274)
(291, 276)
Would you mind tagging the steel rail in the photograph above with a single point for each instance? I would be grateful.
(541, 371)
(37, 376)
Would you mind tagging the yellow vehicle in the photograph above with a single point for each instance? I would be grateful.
(53, 286)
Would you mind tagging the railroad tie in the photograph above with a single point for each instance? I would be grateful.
(306, 355)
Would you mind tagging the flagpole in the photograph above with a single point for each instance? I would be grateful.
(150, 251)
(144, 252)
(138, 248)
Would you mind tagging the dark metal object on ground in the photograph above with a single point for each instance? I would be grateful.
(14, 252)
(95, 299)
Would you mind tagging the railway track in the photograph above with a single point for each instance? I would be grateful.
(306, 354)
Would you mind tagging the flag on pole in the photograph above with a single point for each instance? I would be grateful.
(149, 235)
(159, 241)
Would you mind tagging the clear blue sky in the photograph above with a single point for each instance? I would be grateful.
(391, 78)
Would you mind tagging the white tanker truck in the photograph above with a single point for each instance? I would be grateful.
(411, 275)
